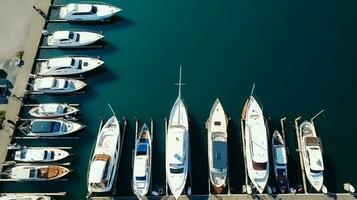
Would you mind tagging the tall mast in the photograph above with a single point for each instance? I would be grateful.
(180, 82)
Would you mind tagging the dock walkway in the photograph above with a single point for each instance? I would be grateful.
(14, 105)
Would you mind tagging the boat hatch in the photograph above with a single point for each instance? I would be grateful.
(217, 123)
(280, 156)
(219, 151)
(45, 127)
(259, 166)
(312, 141)
(176, 170)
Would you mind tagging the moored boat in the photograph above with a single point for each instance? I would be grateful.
(50, 127)
(72, 38)
(43, 154)
(52, 85)
(36, 172)
(217, 147)
(51, 110)
(105, 159)
(87, 12)
(69, 65)
(177, 146)
(280, 162)
(256, 144)
(28, 196)
(312, 155)
(142, 163)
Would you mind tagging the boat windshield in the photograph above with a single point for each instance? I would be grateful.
(93, 10)
(176, 170)
(140, 178)
(259, 166)
(71, 35)
(32, 173)
(315, 171)
(23, 154)
(73, 61)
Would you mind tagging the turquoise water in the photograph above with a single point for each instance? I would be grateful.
(300, 54)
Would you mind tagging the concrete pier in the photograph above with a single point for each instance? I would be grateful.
(14, 105)
(339, 196)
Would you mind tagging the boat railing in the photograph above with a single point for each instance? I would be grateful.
(75, 56)
(95, 2)
(78, 30)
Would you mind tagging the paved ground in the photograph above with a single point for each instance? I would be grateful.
(34, 25)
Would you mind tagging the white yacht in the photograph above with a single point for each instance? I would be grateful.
(43, 154)
(256, 144)
(142, 163)
(69, 65)
(52, 110)
(177, 147)
(312, 155)
(36, 172)
(217, 146)
(51, 127)
(72, 38)
(29, 196)
(105, 158)
(87, 12)
(280, 161)
(51, 85)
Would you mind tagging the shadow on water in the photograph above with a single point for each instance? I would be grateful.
(236, 160)
(199, 159)
(158, 158)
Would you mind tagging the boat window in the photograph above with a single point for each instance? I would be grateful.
(140, 178)
(217, 123)
(315, 171)
(73, 62)
(60, 68)
(259, 166)
(52, 155)
(77, 37)
(176, 171)
(79, 64)
(54, 83)
(71, 35)
(85, 64)
(93, 10)
(45, 154)
(32, 173)
(65, 84)
(63, 40)
(23, 154)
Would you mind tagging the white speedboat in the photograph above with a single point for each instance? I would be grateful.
(68, 65)
(312, 155)
(51, 85)
(177, 147)
(142, 163)
(20, 196)
(52, 110)
(42, 154)
(217, 147)
(36, 172)
(280, 161)
(87, 12)
(105, 158)
(256, 144)
(51, 127)
(72, 38)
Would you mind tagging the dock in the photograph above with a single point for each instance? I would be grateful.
(14, 105)
(298, 136)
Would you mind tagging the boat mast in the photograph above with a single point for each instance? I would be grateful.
(180, 83)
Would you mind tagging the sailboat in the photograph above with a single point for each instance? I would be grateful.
(280, 161)
(312, 155)
(256, 144)
(177, 146)
(142, 163)
(217, 147)
(105, 158)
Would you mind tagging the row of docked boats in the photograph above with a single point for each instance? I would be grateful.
(255, 135)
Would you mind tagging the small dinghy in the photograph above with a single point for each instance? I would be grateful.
(105, 159)
(51, 85)
(50, 127)
(36, 172)
(280, 162)
(40, 154)
(72, 38)
(51, 110)
(87, 12)
(29, 196)
(312, 155)
(142, 163)
(64, 66)
(217, 147)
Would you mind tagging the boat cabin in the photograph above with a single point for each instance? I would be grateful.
(65, 63)
(258, 146)
(65, 36)
(98, 177)
(140, 170)
(51, 109)
(51, 83)
(81, 9)
(47, 127)
(280, 156)
(219, 151)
